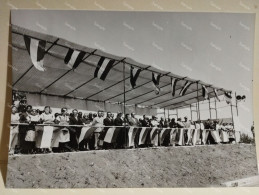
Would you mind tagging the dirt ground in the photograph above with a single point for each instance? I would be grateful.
(198, 166)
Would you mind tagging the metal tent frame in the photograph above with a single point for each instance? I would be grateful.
(124, 62)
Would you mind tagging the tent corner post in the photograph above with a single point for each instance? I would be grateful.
(216, 109)
(198, 104)
(209, 108)
(236, 103)
(231, 107)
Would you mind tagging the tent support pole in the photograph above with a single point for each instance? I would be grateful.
(191, 111)
(216, 110)
(198, 104)
(209, 108)
(231, 107)
(124, 88)
(232, 119)
(124, 100)
(236, 102)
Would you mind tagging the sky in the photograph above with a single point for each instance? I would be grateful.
(216, 48)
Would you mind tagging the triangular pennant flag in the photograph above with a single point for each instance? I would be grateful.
(185, 87)
(156, 80)
(173, 85)
(103, 67)
(205, 92)
(228, 97)
(36, 49)
(216, 94)
(134, 73)
(74, 58)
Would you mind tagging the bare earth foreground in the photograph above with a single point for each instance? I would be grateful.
(198, 166)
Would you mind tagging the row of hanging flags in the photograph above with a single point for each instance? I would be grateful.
(36, 50)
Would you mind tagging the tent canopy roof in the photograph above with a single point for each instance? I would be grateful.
(60, 80)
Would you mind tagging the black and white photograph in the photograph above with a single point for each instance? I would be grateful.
(131, 99)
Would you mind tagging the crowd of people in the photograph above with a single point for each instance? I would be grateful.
(167, 132)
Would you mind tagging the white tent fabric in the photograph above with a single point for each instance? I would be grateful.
(60, 83)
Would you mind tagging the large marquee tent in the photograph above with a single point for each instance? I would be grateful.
(60, 85)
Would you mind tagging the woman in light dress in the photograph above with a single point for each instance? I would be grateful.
(223, 132)
(61, 135)
(46, 118)
(14, 130)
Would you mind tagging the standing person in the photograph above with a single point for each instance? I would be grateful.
(208, 128)
(134, 121)
(30, 137)
(204, 133)
(154, 122)
(153, 136)
(231, 133)
(98, 122)
(75, 131)
(14, 130)
(163, 123)
(86, 119)
(108, 121)
(173, 124)
(127, 120)
(112, 116)
(198, 132)
(28, 109)
(90, 116)
(180, 132)
(223, 133)
(118, 121)
(46, 117)
(213, 134)
(145, 122)
(188, 131)
(62, 136)
(85, 143)
(164, 137)
(132, 141)
(173, 133)
(23, 128)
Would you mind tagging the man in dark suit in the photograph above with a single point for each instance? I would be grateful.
(145, 122)
(75, 131)
(108, 121)
(118, 121)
